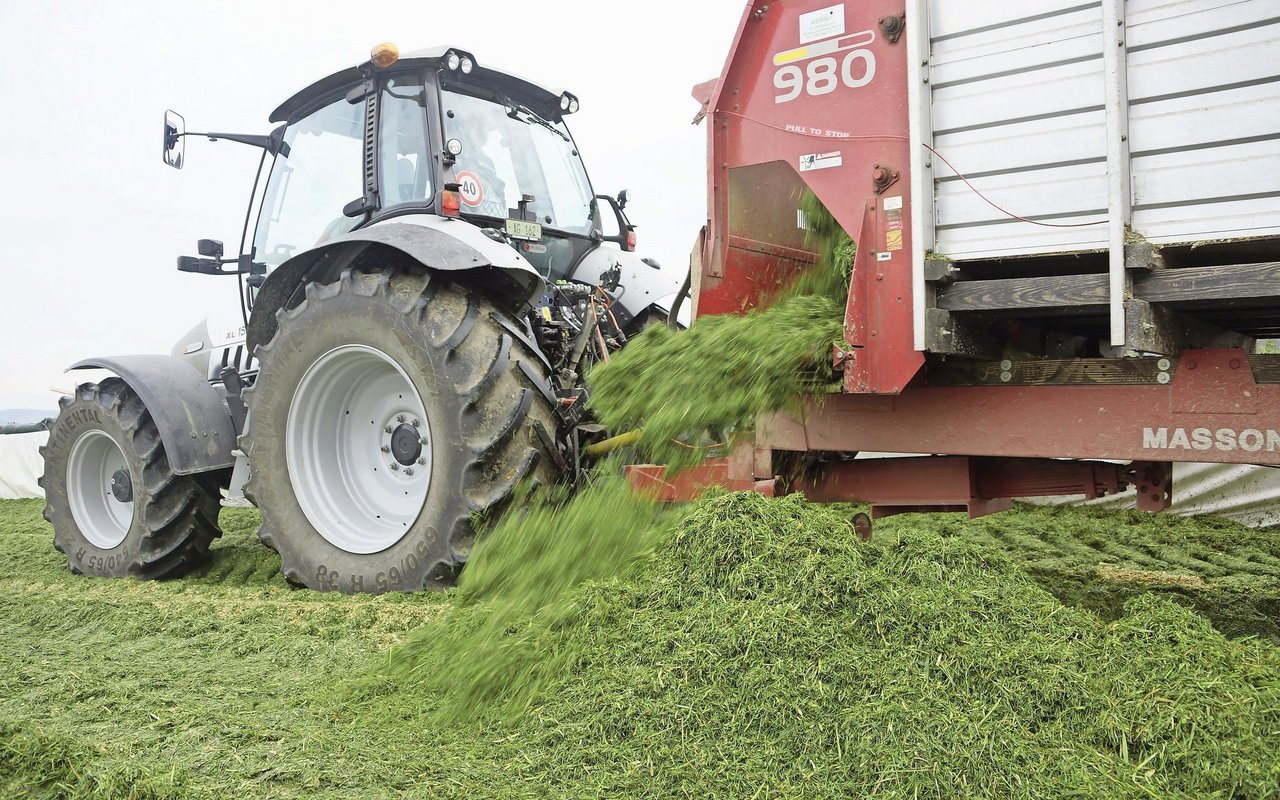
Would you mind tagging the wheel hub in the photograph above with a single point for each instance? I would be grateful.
(358, 448)
(99, 489)
(122, 486)
(406, 444)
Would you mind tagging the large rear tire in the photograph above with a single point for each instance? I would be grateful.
(390, 411)
(116, 507)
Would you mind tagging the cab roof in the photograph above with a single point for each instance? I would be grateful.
(527, 90)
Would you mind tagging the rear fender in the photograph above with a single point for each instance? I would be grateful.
(195, 426)
(437, 243)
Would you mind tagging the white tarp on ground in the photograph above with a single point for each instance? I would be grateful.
(21, 465)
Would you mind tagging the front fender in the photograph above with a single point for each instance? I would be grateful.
(642, 284)
(438, 243)
(195, 426)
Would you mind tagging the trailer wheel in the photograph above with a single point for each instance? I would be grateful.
(116, 507)
(390, 410)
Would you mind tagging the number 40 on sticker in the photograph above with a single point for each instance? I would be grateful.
(824, 75)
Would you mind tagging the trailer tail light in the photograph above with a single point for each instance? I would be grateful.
(450, 203)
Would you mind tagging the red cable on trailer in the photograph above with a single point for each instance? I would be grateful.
(991, 203)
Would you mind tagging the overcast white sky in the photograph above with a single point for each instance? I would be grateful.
(91, 219)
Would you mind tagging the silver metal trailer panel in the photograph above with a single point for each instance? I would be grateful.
(1057, 126)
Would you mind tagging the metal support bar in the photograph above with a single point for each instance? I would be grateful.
(1119, 198)
(1224, 285)
(920, 128)
(956, 483)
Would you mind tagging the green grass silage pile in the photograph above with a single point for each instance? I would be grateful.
(757, 648)
(1100, 559)
(742, 647)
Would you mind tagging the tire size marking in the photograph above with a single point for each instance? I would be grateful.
(326, 579)
(408, 565)
(105, 562)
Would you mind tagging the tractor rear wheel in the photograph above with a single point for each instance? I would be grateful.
(116, 507)
(390, 410)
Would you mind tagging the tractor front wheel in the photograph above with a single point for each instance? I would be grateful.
(116, 507)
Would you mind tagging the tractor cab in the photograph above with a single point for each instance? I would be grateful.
(429, 137)
(430, 132)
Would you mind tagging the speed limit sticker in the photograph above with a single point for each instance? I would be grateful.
(470, 188)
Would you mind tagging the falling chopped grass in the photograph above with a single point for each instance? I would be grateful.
(726, 370)
(744, 647)
(720, 374)
(497, 649)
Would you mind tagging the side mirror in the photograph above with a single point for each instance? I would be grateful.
(210, 248)
(626, 236)
(624, 197)
(175, 131)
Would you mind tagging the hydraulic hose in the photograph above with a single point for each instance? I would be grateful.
(609, 445)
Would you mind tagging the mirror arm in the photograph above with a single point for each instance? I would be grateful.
(245, 265)
(267, 143)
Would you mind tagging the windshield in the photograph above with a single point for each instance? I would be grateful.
(316, 173)
(508, 152)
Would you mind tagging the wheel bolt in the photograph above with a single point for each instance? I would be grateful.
(422, 460)
(386, 449)
(400, 418)
(415, 422)
(387, 429)
(394, 467)
(408, 470)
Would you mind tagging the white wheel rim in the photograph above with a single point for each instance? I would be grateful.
(347, 410)
(102, 519)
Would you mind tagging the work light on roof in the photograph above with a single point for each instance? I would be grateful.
(452, 60)
(467, 65)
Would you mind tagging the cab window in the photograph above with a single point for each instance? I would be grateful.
(317, 172)
(404, 171)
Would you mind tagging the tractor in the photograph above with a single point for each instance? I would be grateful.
(425, 277)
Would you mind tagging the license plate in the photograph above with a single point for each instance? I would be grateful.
(520, 229)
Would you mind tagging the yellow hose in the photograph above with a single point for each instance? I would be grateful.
(613, 443)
